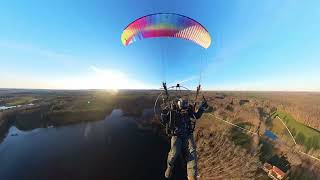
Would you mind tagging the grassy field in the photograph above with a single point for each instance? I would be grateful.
(20, 100)
(303, 106)
(303, 135)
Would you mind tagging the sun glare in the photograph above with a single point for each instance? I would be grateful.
(110, 80)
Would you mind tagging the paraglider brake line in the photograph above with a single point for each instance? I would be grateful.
(237, 126)
(287, 129)
(295, 143)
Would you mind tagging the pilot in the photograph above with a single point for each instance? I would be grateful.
(182, 115)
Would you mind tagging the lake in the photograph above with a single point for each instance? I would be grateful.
(6, 107)
(114, 148)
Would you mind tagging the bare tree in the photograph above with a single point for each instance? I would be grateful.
(220, 158)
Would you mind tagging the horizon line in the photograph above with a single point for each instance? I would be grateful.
(159, 89)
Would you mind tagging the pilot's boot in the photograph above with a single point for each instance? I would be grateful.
(168, 172)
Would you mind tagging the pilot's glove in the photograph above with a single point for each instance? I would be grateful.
(204, 105)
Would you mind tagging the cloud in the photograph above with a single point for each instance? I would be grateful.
(96, 78)
(22, 82)
(100, 78)
(285, 84)
(55, 56)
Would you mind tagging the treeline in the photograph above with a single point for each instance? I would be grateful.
(304, 107)
(303, 135)
(308, 114)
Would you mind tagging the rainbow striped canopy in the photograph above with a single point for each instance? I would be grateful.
(166, 25)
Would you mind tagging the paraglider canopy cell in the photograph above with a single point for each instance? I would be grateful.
(166, 25)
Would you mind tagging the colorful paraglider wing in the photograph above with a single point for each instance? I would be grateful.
(166, 25)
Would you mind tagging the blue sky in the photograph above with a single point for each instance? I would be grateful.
(256, 45)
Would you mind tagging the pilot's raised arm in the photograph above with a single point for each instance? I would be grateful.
(200, 111)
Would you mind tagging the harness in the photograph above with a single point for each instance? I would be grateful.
(177, 122)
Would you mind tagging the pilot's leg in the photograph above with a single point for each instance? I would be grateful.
(175, 150)
(191, 159)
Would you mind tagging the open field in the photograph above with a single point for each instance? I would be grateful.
(303, 134)
(302, 106)
(284, 104)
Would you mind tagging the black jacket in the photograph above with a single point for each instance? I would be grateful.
(181, 122)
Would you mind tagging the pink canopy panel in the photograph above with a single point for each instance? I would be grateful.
(166, 25)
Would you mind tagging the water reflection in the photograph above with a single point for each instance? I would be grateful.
(2, 108)
(6, 107)
(114, 148)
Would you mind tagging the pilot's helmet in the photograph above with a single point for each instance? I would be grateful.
(183, 103)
